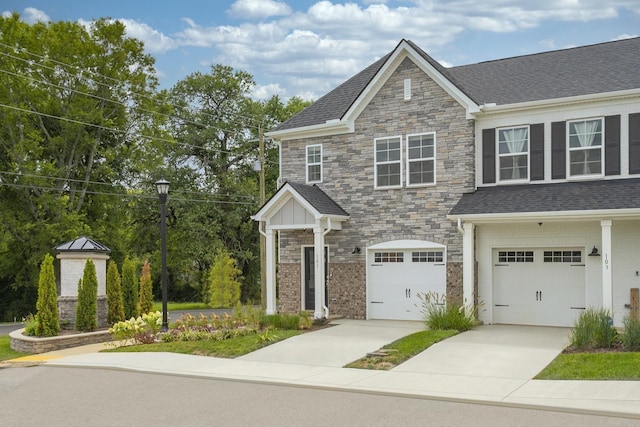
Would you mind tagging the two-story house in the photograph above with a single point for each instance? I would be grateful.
(512, 184)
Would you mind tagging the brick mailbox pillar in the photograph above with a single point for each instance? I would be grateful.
(73, 256)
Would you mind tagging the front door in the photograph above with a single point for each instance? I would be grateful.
(310, 278)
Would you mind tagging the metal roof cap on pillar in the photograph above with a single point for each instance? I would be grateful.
(82, 244)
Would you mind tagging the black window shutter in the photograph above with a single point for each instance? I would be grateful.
(634, 143)
(558, 150)
(612, 145)
(488, 156)
(536, 161)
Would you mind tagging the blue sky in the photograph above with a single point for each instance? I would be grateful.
(307, 47)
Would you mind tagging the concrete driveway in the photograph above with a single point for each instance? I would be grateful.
(343, 342)
(496, 351)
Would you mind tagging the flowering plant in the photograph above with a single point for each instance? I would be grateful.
(141, 330)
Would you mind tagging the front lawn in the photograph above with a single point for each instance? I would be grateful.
(6, 352)
(391, 355)
(227, 348)
(593, 366)
(181, 306)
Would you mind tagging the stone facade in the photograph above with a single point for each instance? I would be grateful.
(380, 215)
(67, 311)
(289, 287)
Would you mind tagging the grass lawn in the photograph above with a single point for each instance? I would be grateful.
(593, 366)
(393, 354)
(229, 348)
(181, 306)
(6, 352)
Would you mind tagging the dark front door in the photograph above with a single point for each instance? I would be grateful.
(309, 278)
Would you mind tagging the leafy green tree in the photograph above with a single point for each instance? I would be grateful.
(80, 118)
(115, 304)
(47, 324)
(129, 288)
(224, 281)
(145, 302)
(87, 307)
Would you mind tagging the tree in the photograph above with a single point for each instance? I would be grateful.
(87, 307)
(79, 122)
(47, 316)
(224, 281)
(129, 289)
(115, 304)
(145, 302)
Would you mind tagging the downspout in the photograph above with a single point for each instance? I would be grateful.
(324, 307)
(460, 229)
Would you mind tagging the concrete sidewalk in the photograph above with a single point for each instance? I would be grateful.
(491, 364)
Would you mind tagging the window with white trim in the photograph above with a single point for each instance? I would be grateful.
(421, 156)
(314, 163)
(515, 256)
(388, 163)
(585, 147)
(428, 256)
(513, 154)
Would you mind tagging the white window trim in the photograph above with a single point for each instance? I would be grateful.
(375, 164)
(408, 161)
(569, 150)
(498, 156)
(307, 164)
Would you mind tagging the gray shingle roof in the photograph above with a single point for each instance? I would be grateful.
(318, 199)
(599, 68)
(567, 196)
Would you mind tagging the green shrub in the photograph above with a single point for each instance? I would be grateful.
(593, 329)
(282, 321)
(630, 337)
(115, 305)
(87, 308)
(46, 319)
(438, 315)
(129, 289)
(224, 281)
(145, 301)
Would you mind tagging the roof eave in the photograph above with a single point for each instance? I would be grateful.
(490, 108)
(574, 215)
(331, 127)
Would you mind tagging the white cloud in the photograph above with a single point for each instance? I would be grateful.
(625, 36)
(258, 9)
(30, 15)
(154, 40)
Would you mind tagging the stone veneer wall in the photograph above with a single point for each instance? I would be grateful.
(289, 288)
(347, 289)
(380, 215)
(67, 311)
(26, 344)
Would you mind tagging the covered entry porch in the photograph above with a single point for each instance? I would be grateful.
(300, 207)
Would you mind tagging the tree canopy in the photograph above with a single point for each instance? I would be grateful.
(84, 133)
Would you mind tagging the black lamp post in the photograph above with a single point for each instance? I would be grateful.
(163, 190)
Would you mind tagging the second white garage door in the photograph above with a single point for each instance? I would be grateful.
(398, 272)
(538, 286)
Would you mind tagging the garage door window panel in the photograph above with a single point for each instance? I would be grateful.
(563, 256)
(515, 256)
(430, 256)
(388, 257)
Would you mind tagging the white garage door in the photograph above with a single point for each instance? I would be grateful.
(396, 278)
(538, 286)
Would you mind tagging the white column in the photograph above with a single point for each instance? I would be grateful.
(468, 266)
(271, 271)
(607, 282)
(318, 250)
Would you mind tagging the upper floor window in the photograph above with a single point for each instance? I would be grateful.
(513, 153)
(388, 163)
(585, 147)
(421, 159)
(314, 163)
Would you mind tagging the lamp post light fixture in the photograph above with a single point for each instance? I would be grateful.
(162, 186)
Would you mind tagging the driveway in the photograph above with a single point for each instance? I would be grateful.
(343, 342)
(496, 351)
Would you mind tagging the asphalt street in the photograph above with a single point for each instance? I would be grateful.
(55, 396)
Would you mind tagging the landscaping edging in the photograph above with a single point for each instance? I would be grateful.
(27, 344)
